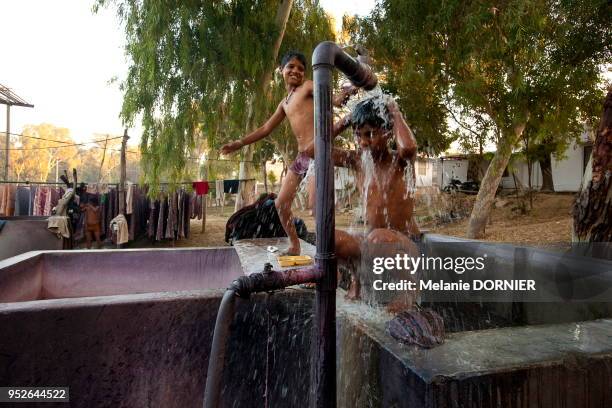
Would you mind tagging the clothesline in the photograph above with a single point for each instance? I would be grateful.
(48, 183)
(52, 183)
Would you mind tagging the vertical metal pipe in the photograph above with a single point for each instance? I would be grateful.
(8, 139)
(323, 382)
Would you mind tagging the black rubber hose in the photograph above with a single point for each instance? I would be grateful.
(216, 361)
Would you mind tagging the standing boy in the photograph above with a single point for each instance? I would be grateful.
(92, 222)
(298, 107)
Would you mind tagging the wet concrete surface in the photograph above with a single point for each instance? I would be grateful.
(254, 255)
(531, 366)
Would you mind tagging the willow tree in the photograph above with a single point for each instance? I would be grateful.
(200, 68)
(497, 59)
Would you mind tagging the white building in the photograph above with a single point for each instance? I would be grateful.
(440, 170)
(567, 171)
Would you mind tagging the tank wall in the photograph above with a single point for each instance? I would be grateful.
(68, 274)
(12, 240)
(513, 262)
(21, 278)
(153, 349)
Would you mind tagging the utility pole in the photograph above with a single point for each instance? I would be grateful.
(103, 157)
(123, 173)
(56, 170)
(9, 98)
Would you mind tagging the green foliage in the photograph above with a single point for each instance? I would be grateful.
(194, 68)
(510, 62)
(272, 178)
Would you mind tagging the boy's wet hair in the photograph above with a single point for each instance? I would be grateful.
(291, 55)
(373, 112)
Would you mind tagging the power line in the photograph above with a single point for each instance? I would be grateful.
(60, 141)
(51, 147)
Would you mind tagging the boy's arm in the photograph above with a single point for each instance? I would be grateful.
(341, 125)
(345, 158)
(406, 142)
(267, 128)
(338, 127)
(339, 99)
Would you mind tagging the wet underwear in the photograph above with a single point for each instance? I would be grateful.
(300, 164)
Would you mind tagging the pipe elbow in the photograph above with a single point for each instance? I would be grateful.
(325, 53)
(329, 53)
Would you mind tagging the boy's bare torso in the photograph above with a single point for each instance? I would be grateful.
(389, 201)
(299, 109)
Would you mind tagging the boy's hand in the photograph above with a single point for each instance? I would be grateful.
(345, 93)
(348, 90)
(231, 147)
(392, 106)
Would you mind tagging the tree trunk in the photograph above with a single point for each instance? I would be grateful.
(529, 183)
(265, 176)
(492, 178)
(246, 189)
(547, 178)
(593, 208)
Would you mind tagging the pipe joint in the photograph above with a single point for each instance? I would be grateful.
(330, 54)
(270, 280)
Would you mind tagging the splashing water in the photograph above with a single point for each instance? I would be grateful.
(410, 180)
(367, 167)
(380, 99)
(303, 187)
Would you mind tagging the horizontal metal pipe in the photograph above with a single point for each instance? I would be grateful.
(269, 280)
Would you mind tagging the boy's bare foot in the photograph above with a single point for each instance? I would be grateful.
(397, 306)
(291, 251)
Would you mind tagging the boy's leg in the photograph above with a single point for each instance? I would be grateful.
(283, 206)
(348, 252)
(97, 236)
(88, 238)
(397, 243)
(312, 194)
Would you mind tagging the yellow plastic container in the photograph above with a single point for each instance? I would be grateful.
(298, 260)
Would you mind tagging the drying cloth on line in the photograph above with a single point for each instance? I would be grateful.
(59, 225)
(231, 186)
(200, 187)
(22, 200)
(119, 223)
(62, 204)
(219, 190)
(7, 199)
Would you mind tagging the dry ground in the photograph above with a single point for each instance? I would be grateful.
(547, 224)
